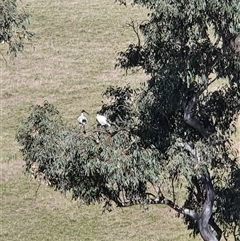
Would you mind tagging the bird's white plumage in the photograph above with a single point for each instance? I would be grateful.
(82, 120)
(102, 120)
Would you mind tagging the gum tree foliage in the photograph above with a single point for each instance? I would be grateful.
(13, 26)
(171, 136)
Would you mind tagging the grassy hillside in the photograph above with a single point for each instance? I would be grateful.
(69, 63)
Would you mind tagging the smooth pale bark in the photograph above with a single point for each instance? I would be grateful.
(205, 219)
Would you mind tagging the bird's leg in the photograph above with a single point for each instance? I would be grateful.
(84, 129)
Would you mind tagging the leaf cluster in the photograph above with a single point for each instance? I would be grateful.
(100, 165)
(120, 108)
(13, 26)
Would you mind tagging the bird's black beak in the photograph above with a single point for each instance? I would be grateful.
(85, 112)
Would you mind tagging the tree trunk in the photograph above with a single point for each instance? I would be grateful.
(204, 219)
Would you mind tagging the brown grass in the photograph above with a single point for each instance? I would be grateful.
(69, 63)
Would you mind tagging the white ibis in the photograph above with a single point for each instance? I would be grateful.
(102, 120)
(82, 120)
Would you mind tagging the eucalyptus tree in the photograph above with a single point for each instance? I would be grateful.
(174, 133)
(13, 25)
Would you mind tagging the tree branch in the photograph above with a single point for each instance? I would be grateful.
(204, 220)
(216, 228)
(132, 25)
(171, 204)
(191, 120)
(191, 151)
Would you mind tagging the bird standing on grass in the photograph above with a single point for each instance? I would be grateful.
(82, 120)
(102, 120)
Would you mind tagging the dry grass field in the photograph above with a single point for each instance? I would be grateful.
(70, 62)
